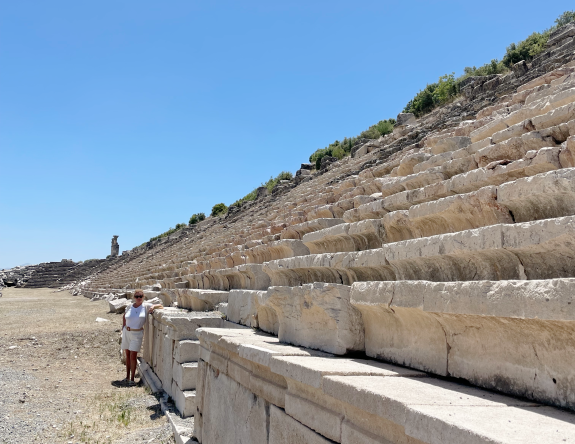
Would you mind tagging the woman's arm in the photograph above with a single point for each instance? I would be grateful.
(154, 307)
(123, 321)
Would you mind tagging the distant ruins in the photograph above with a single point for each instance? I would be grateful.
(115, 246)
(421, 291)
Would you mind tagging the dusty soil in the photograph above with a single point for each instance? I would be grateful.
(60, 374)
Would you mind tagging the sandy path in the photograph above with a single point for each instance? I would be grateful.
(58, 368)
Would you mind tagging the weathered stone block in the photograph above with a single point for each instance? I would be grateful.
(317, 316)
(186, 351)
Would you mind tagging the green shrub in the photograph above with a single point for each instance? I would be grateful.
(381, 128)
(219, 209)
(247, 198)
(167, 233)
(493, 67)
(198, 217)
(563, 19)
(447, 87)
(341, 149)
(526, 49)
(273, 181)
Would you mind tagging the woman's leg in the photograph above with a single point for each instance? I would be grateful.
(128, 363)
(133, 356)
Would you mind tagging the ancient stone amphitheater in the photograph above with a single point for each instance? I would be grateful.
(421, 291)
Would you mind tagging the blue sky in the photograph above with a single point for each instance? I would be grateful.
(128, 117)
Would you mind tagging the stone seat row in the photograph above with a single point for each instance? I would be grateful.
(554, 100)
(268, 392)
(540, 161)
(515, 336)
(543, 196)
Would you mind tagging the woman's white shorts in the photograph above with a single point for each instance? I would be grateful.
(132, 340)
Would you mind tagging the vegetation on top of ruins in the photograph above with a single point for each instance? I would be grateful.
(447, 87)
(219, 209)
(270, 184)
(167, 233)
(341, 149)
(197, 217)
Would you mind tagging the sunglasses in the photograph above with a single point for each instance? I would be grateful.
(138, 297)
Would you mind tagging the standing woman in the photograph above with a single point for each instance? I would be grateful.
(133, 331)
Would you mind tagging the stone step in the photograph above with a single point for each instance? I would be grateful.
(321, 399)
(534, 162)
(299, 230)
(516, 337)
(363, 235)
(199, 300)
(185, 375)
(531, 250)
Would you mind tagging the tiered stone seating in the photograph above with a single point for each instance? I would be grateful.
(445, 247)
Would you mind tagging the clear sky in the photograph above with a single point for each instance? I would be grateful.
(126, 117)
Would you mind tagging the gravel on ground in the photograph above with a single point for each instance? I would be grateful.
(60, 374)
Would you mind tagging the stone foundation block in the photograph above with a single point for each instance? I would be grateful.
(185, 375)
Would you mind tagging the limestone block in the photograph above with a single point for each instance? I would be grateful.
(392, 185)
(183, 325)
(555, 117)
(407, 164)
(248, 276)
(546, 159)
(457, 213)
(567, 154)
(513, 131)
(398, 226)
(457, 414)
(243, 307)
(543, 196)
(458, 166)
(488, 130)
(543, 247)
(165, 363)
(439, 327)
(433, 161)
(406, 199)
(370, 210)
(285, 430)
(185, 401)
(185, 375)
(318, 316)
(276, 250)
(310, 370)
(186, 351)
(200, 300)
(231, 413)
(297, 231)
(512, 149)
(450, 144)
(356, 236)
(118, 306)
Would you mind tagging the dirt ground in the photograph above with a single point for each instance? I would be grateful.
(60, 374)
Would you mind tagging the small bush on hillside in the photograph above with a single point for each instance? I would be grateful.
(247, 198)
(198, 217)
(381, 128)
(341, 149)
(526, 49)
(167, 233)
(436, 94)
(273, 181)
(563, 19)
(219, 209)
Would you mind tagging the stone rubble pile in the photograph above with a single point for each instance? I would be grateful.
(444, 249)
